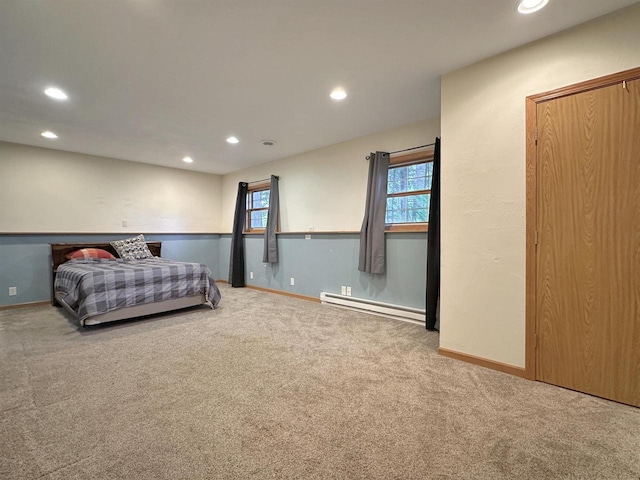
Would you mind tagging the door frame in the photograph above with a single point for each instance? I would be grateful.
(531, 214)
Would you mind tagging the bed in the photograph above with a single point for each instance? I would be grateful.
(99, 290)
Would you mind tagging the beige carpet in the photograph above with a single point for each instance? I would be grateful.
(273, 387)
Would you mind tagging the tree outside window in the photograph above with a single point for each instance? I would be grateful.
(257, 208)
(409, 192)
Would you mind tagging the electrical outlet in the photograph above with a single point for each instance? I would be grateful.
(307, 237)
(293, 281)
(250, 274)
(348, 291)
(125, 223)
(13, 291)
(343, 290)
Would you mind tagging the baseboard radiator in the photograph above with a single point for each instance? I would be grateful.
(398, 312)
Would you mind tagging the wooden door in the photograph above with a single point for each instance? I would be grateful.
(588, 252)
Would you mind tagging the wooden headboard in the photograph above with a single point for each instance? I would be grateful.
(59, 250)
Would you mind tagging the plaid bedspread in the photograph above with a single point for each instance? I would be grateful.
(95, 286)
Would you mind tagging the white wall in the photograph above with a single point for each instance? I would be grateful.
(483, 176)
(43, 190)
(325, 189)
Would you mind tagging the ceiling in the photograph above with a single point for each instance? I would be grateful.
(155, 80)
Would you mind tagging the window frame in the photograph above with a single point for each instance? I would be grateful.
(251, 189)
(424, 156)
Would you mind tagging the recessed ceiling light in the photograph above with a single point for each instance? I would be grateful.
(55, 92)
(187, 160)
(233, 140)
(530, 6)
(49, 135)
(338, 94)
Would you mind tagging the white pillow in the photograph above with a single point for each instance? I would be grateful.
(134, 248)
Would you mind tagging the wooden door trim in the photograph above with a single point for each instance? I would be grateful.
(531, 216)
(531, 210)
(606, 81)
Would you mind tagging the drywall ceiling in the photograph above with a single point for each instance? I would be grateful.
(155, 80)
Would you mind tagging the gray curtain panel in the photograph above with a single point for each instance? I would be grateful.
(373, 224)
(270, 254)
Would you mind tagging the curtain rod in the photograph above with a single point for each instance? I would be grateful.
(368, 157)
(413, 148)
(264, 180)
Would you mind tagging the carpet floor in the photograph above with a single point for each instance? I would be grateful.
(268, 386)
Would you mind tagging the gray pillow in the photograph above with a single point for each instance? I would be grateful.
(134, 248)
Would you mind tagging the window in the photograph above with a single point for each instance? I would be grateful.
(257, 207)
(409, 191)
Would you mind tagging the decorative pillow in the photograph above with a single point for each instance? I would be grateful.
(89, 253)
(134, 248)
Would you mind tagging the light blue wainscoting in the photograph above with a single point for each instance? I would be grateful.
(327, 261)
(321, 264)
(25, 260)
